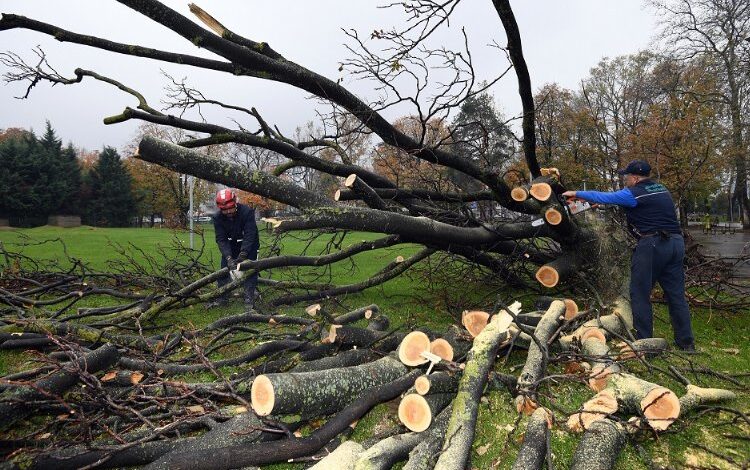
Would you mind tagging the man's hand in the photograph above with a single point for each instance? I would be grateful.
(231, 263)
(242, 257)
(569, 194)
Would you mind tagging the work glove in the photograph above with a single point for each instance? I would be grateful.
(231, 263)
(242, 257)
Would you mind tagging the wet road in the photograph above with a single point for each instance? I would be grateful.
(726, 245)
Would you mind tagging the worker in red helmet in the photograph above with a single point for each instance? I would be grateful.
(237, 237)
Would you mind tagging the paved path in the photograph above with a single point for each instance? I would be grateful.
(726, 245)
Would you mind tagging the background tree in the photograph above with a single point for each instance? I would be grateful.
(111, 201)
(404, 168)
(40, 177)
(682, 135)
(716, 31)
(160, 191)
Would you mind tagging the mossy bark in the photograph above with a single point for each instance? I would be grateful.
(459, 434)
(600, 446)
(423, 456)
(533, 451)
(324, 392)
(536, 359)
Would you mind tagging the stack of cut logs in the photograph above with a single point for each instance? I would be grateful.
(439, 404)
(438, 380)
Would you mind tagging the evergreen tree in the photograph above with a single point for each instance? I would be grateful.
(60, 175)
(111, 200)
(479, 134)
(21, 183)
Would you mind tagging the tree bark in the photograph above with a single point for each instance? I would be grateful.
(460, 431)
(319, 393)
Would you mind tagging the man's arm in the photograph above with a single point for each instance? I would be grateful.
(622, 197)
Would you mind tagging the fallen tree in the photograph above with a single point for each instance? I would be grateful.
(296, 372)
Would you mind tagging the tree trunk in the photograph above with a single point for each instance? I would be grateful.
(533, 451)
(320, 393)
(480, 359)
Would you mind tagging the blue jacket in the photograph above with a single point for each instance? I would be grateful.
(238, 233)
(648, 206)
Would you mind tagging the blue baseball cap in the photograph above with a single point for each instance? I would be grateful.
(636, 167)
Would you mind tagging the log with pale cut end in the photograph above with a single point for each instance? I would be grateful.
(313, 309)
(319, 393)
(441, 347)
(411, 348)
(519, 193)
(659, 405)
(437, 382)
(571, 309)
(541, 191)
(593, 333)
(366, 313)
(533, 451)
(342, 458)
(365, 191)
(547, 276)
(459, 434)
(553, 216)
(416, 412)
(600, 375)
(536, 363)
(423, 456)
(600, 446)
(616, 324)
(561, 268)
(697, 396)
(329, 336)
(642, 347)
(597, 408)
(474, 321)
(337, 195)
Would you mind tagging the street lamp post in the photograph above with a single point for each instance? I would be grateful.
(191, 185)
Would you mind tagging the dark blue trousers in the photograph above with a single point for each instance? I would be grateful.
(250, 282)
(658, 259)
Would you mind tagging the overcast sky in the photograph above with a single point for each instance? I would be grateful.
(562, 40)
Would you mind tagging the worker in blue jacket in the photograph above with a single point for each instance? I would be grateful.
(237, 237)
(659, 253)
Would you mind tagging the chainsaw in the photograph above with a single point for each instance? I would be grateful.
(576, 205)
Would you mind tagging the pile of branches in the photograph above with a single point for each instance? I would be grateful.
(106, 392)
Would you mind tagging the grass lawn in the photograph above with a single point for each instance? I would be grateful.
(724, 342)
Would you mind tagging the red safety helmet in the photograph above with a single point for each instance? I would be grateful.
(226, 199)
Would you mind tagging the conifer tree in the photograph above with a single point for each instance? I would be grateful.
(111, 201)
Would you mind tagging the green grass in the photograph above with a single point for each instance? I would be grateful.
(723, 339)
